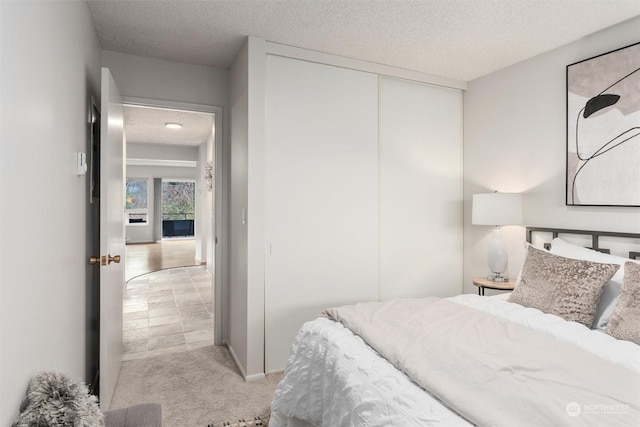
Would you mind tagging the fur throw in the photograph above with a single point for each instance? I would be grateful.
(54, 400)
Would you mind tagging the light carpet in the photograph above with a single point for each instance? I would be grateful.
(195, 388)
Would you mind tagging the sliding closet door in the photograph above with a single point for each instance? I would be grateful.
(420, 189)
(322, 191)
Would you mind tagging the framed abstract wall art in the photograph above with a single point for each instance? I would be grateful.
(603, 129)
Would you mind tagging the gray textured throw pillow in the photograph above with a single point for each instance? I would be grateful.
(566, 287)
(625, 320)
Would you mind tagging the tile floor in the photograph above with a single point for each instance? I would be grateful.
(167, 311)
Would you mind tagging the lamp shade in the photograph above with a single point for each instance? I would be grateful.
(497, 209)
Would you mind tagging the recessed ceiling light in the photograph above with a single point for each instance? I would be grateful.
(173, 125)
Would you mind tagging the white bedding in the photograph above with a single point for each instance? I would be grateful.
(624, 353)
(334, 379)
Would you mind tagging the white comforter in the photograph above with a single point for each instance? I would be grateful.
(334, 379)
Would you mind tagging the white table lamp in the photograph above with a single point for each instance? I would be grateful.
(497, 209)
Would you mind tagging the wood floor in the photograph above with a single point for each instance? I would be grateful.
(142, 258)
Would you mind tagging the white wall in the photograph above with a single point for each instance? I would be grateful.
(238, 325)
(161, 151)
(204, 206)
(169, 172)
(50, 66)
(151, 78)
(515, 141)
(256, 244)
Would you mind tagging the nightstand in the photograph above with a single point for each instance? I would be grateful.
(483, 284)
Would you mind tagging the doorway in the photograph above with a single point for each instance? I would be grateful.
(171, 307)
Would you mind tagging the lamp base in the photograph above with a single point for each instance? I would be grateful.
(497, 277)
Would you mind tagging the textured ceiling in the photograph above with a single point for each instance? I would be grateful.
(459, 39)
(147, 125)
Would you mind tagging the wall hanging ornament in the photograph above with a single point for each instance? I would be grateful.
(208, 175)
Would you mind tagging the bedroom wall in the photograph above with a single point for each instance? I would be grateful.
(151, 78)
(50, 67)
(515, 141)
(238, 312)
(246, 291)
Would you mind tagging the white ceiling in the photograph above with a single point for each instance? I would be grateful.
(147, 126)
(459, 39)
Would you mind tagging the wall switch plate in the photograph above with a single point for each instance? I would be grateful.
(81, 163)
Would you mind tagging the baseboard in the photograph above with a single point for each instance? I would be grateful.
(247, 378)
(254, 377)
(237, 361)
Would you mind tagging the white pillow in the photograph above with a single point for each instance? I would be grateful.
(611, 292)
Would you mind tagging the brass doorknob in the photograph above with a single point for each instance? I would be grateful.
(94, 260)
(115, 258)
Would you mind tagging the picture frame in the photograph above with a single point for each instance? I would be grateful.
(603, 129)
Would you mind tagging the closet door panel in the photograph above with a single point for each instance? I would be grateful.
(420, 189)
(322, 191)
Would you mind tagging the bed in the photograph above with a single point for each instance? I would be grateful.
(562, 349)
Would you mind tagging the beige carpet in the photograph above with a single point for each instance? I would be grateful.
(195, 388)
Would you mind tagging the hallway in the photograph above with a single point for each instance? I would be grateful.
(167, 302)
(167, 311)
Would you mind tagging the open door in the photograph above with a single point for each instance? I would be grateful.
(111, 237)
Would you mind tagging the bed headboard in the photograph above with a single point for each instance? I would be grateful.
(630, 239)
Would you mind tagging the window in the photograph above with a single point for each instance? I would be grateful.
(178, 208)
(136, 202)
